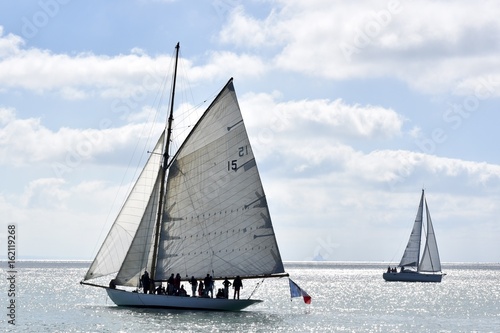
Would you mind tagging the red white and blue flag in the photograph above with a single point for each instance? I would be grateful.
(296, 291)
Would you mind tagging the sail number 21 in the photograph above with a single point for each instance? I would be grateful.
(233, 164)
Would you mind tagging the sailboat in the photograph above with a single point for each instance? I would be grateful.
(199, 211)
(414, 269)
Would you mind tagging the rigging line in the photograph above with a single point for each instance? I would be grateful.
(143, 262)
(185, 77)
(134, 176)
(255, 289)
(122, 181)
(163, 169)
(195, 110)
(159, 98)
(225, 261)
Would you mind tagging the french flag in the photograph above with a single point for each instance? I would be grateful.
(296, 291)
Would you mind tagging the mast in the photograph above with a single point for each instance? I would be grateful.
(164, 168)
(419, 258)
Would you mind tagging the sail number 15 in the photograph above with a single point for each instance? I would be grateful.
(233, 164)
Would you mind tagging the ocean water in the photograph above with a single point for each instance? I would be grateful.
(346, 297)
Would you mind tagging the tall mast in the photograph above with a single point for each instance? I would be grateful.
(164, 168)
(423, 203)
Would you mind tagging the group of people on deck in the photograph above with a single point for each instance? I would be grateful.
(205, 288)
(394, 269)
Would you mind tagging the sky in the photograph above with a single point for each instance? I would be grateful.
(352, 108)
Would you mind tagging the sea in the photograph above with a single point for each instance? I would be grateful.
(346, 297)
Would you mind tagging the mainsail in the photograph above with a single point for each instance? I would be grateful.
(216, 218)
(215, 215)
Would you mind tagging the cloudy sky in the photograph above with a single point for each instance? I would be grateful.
(352, 108)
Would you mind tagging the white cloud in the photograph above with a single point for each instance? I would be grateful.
(333, 119)
(10, 44)
(258, 34)
(44, 192)
(6, 115)
(88, 75)
(72, 218)
(319, 138)
(28, 141)
(420, 43)
(222, 65)
(41, 70)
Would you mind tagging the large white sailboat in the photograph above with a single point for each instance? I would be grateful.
(414, 269)
(201, 210)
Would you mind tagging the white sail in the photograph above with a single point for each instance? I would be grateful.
(216, 219)
(412, 252)
(140, 254)
(430, 258)
(115, 247)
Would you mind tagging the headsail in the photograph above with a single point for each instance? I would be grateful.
(140, 254)
(412, 251)
(216, 219)
(125, 229)
(430, 258)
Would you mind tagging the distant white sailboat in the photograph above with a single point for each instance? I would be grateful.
(201, 211)
(414, 269)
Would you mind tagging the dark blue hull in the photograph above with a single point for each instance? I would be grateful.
(410, 276)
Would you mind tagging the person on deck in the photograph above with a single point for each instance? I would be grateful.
(211, 290)
(177, 283)
(160, 290)
(209, 284)
(170, 285)
(182, 291)
(194, 285)
(237, 285)
(226, 285)
(146, 282)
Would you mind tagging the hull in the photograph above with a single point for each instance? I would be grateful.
(412, 277)
(132, 299)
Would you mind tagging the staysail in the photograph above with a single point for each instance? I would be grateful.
(131, 229)
(216, 219)
(430, 258)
